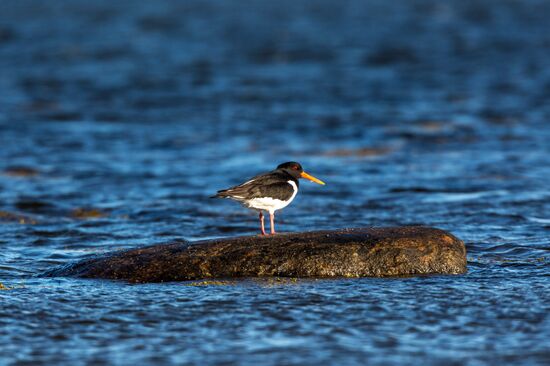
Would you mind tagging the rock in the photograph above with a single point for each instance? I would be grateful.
(20, 171)
(376, 252)
(87, 213)
(15, 217)
(360, 152)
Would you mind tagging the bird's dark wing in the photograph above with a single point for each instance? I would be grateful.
(272, 184)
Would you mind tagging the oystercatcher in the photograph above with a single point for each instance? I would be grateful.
(269, 191)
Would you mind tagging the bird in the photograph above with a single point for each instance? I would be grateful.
(269, 191)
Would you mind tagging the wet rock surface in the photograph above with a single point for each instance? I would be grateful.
(378, 252)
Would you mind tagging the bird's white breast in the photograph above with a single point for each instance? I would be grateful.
(272, 204)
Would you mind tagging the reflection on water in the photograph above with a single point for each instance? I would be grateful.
(118, 120)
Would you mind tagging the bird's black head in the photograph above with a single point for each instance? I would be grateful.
(296, 171)
(293, 168)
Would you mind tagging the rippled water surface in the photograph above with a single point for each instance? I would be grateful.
(119, 118)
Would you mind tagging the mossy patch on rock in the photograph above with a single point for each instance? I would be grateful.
(20, 171)
(10, 216)
(87, 213)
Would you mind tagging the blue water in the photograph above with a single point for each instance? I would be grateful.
(118, 119)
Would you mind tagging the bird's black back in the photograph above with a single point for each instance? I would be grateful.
(273, 184)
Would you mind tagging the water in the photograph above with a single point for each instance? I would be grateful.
(118, 119)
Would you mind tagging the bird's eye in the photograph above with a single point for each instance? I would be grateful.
(295, 167)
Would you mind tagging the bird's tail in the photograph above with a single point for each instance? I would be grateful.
(221, 194)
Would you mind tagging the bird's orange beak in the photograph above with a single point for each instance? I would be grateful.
(312, 178)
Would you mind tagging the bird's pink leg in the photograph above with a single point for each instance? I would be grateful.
(262, 223)
(272, 222)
